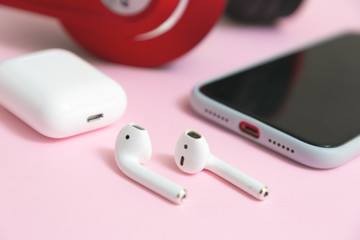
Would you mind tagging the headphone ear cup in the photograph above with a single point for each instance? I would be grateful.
(260, 11)
(289, 7)
(244, 10)
(162, 44)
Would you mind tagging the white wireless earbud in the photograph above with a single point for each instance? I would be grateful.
(132, 148)
(192, 154)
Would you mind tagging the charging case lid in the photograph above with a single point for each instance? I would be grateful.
(59, 94)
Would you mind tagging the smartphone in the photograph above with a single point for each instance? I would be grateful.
(304, 105)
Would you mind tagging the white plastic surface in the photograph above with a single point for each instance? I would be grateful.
(238, 178)
(192, 155)
(132, 148)
(56, 92)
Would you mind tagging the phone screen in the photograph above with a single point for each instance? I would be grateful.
(312, 95)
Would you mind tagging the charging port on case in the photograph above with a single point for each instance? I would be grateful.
(95, 117)
(249, 129)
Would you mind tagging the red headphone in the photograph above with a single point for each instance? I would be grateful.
(148, 33)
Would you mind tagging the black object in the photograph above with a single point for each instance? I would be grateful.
(261, 11)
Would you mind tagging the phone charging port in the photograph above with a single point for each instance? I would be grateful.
(249, 129)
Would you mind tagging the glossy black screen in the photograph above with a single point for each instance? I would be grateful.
(313, 95)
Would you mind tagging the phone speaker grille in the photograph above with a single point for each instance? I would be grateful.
(215, 115)
(280, 145)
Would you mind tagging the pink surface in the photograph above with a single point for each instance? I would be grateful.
(72, 188)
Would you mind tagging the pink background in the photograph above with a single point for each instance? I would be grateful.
(72, 188)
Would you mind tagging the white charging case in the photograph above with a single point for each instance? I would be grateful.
(59, 94)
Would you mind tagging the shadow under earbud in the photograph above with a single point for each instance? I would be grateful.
(108, 157)
(232, 186)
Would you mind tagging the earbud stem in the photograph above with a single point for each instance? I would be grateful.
(153, 181)
(238, 178)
